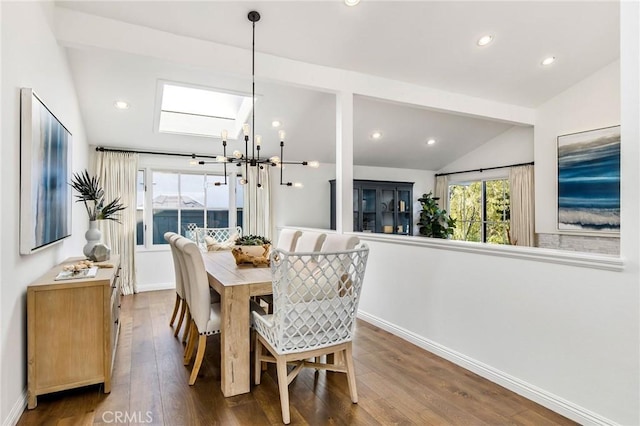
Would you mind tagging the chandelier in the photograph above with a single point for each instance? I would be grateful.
(243, 159)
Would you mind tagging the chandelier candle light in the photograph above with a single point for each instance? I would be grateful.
(254, 160)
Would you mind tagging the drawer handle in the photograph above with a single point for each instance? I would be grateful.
(116, 321)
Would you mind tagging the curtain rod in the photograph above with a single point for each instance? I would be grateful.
(134, 151)
(486, 168)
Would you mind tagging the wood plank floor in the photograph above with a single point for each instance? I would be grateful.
(398, 383)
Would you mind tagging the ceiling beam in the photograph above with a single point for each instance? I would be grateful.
(81, 30)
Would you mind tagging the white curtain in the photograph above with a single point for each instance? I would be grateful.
(522, 205)
(257, 204)
(441, 191)
(118, 173)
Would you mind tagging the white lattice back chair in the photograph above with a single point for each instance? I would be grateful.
(205, 316)
(218, 236)
(315, 296)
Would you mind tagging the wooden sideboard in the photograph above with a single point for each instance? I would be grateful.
(72, 330)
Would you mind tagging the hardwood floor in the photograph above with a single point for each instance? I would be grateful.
(398, 383)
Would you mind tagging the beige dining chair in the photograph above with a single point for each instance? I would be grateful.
(315, 304)
(181, 304)
(287, 239)
(205, 316)
(310, 241)
(338, 242)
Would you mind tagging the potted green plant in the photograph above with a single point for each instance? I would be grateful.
(434, 222)
(252, 249)
(91, 194)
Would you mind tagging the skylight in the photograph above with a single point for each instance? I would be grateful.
(202, 112)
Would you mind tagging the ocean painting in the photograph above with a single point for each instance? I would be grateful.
(589, 181)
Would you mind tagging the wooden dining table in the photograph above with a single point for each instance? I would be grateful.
(236, 285)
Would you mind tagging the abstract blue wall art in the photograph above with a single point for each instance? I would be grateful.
(589, 181)
(45, 170)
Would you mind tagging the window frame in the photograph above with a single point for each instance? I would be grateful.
(148, 200)
(484, 222)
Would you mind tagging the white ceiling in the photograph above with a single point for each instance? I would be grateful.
(426, 43)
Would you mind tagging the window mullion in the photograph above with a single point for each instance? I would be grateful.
(483, 218)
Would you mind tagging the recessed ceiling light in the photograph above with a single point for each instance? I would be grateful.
(484, 40)
(376, 135)
(276, 123)
(431, 141)
(549, 60)
(351, 2)
(121, 104)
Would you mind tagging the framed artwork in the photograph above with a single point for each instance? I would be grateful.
(589, 181)
(45, 170)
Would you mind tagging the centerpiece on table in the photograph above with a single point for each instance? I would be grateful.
(252, 249)
(90, 193)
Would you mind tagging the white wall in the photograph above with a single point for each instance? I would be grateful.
(511, 147)
(30, 58)
(591, 104)
(565, 336)
(309, 207)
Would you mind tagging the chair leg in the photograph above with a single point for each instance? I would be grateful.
(202, 345)
(175, 310)
(187, 329)
(283, 386)
(257, 370)
(351, 373)
(188, 353)
(183, 310)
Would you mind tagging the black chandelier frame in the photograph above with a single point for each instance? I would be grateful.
(254, 160)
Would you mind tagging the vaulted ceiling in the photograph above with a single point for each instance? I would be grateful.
(431, 44)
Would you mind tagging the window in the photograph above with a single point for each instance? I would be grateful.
(179, 201)
(140, 209)
(481, 210)
(201, 111)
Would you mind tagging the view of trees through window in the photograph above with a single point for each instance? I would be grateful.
(180, 199)
(481, 210)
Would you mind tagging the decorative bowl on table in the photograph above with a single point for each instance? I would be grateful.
(252, 249)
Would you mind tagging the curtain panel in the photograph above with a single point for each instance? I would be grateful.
(522, 205)
(257, 204)
(441, 191)
(118, 175)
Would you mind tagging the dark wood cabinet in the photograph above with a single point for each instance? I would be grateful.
(379, 206)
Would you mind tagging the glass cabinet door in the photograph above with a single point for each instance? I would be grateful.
(356, 210)
(369, 202)
(387, 211)
(403, 223)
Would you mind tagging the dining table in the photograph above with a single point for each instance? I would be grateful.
(236, 284)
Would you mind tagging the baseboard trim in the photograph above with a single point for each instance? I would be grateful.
(16, 410)
(529, 391)
(140, 288)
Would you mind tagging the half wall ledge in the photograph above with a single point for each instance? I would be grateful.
(570, 258)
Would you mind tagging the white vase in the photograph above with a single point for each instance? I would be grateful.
(93, 237)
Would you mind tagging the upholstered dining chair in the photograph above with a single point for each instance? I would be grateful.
(205, 316)
(287, 239)
(181, 303)
(339, 242)
(315, 299)
(310, 241)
